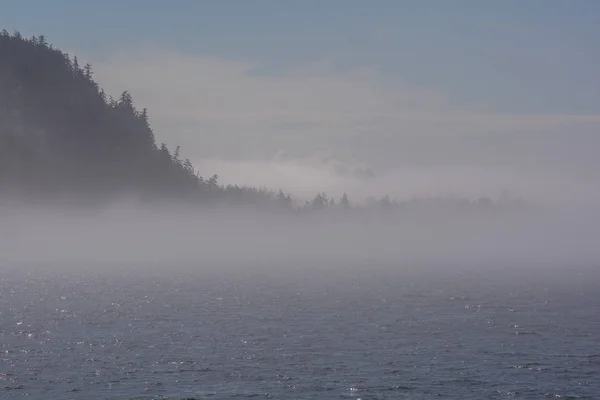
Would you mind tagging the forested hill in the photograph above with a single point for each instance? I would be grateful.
(62, 137)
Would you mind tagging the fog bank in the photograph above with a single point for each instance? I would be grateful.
(129, 236)
(303, 177)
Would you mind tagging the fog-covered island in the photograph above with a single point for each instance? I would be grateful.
(63, 140)
(83, 178)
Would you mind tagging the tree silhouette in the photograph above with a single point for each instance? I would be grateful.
(61, 135)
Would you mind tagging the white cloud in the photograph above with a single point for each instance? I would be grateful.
(198, 88)
(305, 179)
(180, 88)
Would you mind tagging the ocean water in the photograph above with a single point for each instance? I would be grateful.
(340, 333)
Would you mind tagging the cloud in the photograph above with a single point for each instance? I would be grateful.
(207, 89)
(305, 176)
(233, 96)
(325, 160)
(232, 116)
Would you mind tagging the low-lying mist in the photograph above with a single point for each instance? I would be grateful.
(168, 237)
(322, 172)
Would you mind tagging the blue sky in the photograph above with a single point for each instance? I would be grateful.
(390, 83)
(520, 56)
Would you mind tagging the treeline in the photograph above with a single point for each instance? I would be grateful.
(427, 205)
(62, 137)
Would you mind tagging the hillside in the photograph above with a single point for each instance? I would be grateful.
(61, 137)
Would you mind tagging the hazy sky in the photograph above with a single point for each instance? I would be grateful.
(470, 96)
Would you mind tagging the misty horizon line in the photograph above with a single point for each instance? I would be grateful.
(47, 157)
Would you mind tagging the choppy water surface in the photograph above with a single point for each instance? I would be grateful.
(356, 335)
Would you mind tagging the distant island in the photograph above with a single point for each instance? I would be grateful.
(62, 139)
